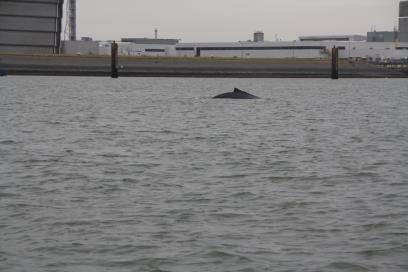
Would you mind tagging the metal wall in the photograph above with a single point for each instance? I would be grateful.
(403, 21)
(403, 24)
(403, 9)
(368, 50)
(259, 36)
(30, 26)
(403, 37)
(80, 48)
(382, 36)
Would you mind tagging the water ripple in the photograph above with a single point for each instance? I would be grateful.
(150, 174)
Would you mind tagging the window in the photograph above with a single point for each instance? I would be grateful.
(154, 50)
(184, 48)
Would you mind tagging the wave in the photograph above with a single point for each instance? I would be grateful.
(8, 142)
(347, 266)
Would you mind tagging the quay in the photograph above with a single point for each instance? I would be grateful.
(73, 65)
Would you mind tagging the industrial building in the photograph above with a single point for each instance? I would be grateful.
(375, 46)
(403, 17)
(83, 47)
(265, 49)
(403, 22)
(344, 38)
(296, 49)
(32, 26)
(142, 47)
(382, 36)
(151, 41)
(398, 35)
(259, 36)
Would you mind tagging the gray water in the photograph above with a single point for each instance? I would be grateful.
(150, 174)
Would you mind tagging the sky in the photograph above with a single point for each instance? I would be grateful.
(232, 20)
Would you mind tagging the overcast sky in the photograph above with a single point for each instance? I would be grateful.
(232, 20)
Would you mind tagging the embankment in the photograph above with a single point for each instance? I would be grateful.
(63, 65)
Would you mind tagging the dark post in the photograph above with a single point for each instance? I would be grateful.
(114, 57)
(335, 63)
(58, 45)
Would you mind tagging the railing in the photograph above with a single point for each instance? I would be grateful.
(401, 65)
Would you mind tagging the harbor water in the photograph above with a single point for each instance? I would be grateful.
(151, 174)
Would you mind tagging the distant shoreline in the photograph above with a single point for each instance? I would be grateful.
(63, 65)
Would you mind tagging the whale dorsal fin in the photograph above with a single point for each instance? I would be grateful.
(237, 94)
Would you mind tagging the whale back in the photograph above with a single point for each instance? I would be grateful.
(237, 94)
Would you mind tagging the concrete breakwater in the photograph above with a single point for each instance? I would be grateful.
(63, 65)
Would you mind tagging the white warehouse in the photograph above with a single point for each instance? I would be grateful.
(295, 49)
(313, 47)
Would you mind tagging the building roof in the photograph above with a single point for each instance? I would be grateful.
(355, 38)
(151, 41)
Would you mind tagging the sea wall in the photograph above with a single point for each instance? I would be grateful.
(187, 67)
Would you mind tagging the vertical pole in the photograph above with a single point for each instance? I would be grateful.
(335, 63)
(72, 20)
(114, 58)
(60, 11)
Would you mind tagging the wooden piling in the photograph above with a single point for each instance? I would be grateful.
(114, 58)
(335, 63)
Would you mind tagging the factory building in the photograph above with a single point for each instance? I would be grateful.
(86, 46)
(403, 16)
(342, 38)
(297, 49)
(400, 35)
(151, 41)
(382, 36)
(310, 47)
(259, 36)
(142, 47)
(403, 21)
(30, 26)
(375, 46)
(34, 26)
(252, 50)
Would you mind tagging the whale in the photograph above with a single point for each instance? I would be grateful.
(237, 94)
